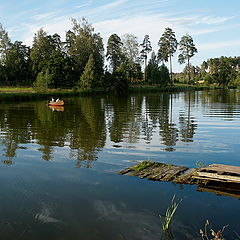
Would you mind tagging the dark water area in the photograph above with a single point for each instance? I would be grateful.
(58, 167)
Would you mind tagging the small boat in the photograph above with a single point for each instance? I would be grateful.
(56, 108)
(56, 103)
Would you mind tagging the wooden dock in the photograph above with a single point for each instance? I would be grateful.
(216, 178)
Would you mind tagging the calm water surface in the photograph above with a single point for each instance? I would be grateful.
(58, 168)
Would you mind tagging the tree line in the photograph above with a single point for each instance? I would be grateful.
(79, 61)
(221, 71)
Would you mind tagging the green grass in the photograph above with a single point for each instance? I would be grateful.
(143, 165)
(16, 90)
(167, 218)
(11, 94)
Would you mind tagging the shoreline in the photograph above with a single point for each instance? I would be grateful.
(8, 94)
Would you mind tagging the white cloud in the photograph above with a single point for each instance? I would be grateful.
(204, 31)
(44, 16)
(215, 20)
(198, 19)
(111, 5)
(83, 5)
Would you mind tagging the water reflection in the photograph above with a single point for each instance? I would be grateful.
(88, 124)
(56, 108)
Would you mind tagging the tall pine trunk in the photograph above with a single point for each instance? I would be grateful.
(145, 69)
(170, 61)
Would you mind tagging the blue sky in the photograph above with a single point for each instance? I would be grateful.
(213, 24)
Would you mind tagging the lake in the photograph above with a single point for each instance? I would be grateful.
(58, 167)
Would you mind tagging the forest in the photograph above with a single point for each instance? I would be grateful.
(81, 62)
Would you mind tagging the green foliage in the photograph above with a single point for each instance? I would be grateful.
(209, 79)
(42, 82)
(61, 68)
(81, 42)
(203, 68)
(187, 50)
(87, 78)
(167, 47)
(167, 218)
(225, 72)
(130, 64)
(146, 47)
(114, 51)
(17, 65)
(152, 70)
(132, 71)
(221, 71)
(164, 75)
(120, 79)
(235, 81)
(44, 46)
(156, 74)
(193, 72)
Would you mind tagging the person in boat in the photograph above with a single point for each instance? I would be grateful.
(57, 100)
(52, 100)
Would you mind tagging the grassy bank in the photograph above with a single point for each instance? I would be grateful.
(12, 94)
(8, 94)
(175, 88)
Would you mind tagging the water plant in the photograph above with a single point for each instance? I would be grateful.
(167, 218)
(216, 235)
(200, 164)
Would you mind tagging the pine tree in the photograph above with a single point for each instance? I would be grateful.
(114, 51)
(187, 50)
(167, 47)
(146, 48)
(87, 78)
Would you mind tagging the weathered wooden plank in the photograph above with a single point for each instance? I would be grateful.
(159, 172)
(222, 169)
(216, 177)
(185, 177)
(173, 173)
(179, 174)
(125, 171)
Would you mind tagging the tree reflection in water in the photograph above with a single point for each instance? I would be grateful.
(85, 124)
